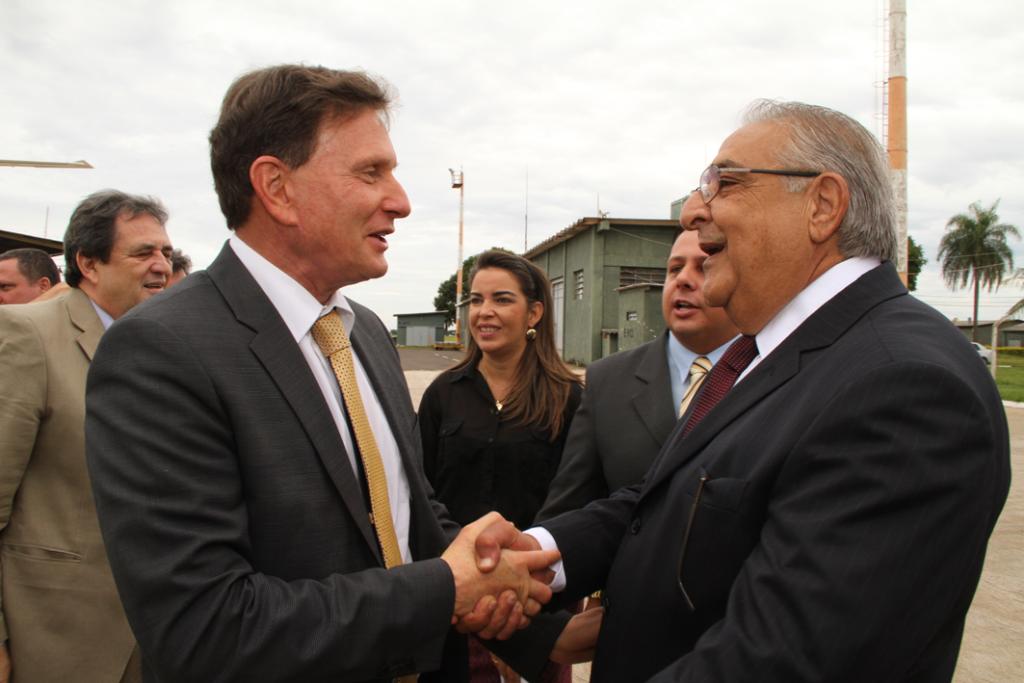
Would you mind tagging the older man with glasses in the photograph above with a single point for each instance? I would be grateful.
(822, 511)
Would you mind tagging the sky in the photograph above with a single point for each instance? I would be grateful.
(554, 110)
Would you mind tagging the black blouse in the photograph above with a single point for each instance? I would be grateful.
(476, 461)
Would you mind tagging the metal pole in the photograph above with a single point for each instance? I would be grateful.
(897, 142)
(995, 344)
(526, 211)
(457, 182)
(458, 273)
(45, 164)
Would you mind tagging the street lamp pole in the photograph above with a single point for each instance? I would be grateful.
(45, 164)
(19, 163)
(457, 182)
(995, 343)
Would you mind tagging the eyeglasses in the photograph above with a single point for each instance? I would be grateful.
(711, 178)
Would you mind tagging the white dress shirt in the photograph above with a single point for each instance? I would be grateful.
(803, 305)
(800, 308)
(300, 310)
(105, 318)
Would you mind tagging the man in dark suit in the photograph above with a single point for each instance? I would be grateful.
(827, 519)
(632, 399)
(258, 483)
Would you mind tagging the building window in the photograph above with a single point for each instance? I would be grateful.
(632, 316)
(641, 276)
(579, 283)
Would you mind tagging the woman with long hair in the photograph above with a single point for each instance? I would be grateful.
(493, 426)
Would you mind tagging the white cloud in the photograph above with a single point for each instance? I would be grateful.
(625, 102)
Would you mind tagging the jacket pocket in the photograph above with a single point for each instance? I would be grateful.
(449, 426)
(724, 493)
(42, 553)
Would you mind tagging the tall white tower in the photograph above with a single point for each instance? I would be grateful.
(897, 123)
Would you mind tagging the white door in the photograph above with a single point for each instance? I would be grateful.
(558, 297)
(419, 336)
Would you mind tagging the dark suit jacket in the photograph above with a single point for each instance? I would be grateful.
(847, 489)
(236, 528)
(622, 423)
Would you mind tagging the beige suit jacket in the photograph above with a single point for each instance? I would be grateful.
(59, 608)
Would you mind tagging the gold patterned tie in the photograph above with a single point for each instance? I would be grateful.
(329, 334)
(698, 371)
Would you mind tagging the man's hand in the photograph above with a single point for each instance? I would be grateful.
(579, 637)
(5, 664)
(495, 603)
(497, 617)
(497, 535)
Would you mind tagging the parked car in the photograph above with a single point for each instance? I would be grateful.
(984, 352)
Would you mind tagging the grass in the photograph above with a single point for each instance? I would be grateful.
(1010, 378)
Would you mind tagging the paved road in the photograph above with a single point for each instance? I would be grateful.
(993, 645)
(416, 358)
(422, 365)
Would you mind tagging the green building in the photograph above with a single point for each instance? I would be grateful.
(606, 276)
(1011, 332)
(420, 329)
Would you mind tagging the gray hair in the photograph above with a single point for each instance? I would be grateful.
(92, 230)
(180, 262)
(823, 139)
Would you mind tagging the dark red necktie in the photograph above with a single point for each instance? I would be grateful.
(736, 358)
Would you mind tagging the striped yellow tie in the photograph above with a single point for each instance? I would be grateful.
(698, 371)
(329, 334)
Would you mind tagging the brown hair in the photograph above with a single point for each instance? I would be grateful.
(33, 264)
(539, 395)
(278, 111)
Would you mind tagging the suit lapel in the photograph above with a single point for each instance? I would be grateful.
(653, 401)
(83, 316)
(275, 348)
(820, 330)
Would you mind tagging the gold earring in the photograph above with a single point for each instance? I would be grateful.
(531, 334)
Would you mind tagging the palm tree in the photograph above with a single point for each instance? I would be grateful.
(974, 250)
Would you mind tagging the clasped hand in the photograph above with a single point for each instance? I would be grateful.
(501, 577)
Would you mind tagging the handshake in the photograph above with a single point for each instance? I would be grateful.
(502, 579)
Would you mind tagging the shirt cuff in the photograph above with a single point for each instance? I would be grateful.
(547, 542)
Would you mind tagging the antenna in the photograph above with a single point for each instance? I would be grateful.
(526, 211)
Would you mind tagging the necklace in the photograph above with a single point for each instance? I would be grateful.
(499, 403)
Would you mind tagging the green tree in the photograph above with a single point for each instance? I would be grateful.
(445, 299)
(974, 250)
(915, 262)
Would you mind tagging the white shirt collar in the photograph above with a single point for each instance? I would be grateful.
(684, 357)
(810, 299)
(680, 359)
(105, 318)
(297, 307)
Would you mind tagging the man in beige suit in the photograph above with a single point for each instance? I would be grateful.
(60, 614)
